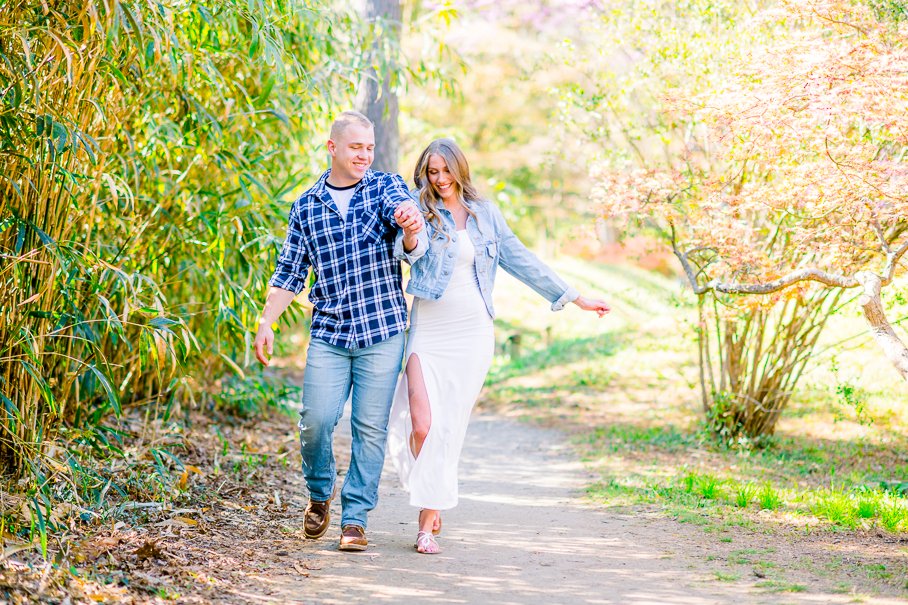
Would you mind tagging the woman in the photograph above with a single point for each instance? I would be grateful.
(451, 338)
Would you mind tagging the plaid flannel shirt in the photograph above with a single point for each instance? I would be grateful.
(357, 297)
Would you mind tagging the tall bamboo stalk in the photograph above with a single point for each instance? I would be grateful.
(147, 153)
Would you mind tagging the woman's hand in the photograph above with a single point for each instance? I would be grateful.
(592, 304)
(411, 221)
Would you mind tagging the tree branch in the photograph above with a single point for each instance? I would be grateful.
(832, 280)
(878, 229)
(685, 262)
(829, 279)
(836, 21)
(892, 259)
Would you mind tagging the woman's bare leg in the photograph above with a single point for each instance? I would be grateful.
(420, 413)
(428, 519)
(421, 418)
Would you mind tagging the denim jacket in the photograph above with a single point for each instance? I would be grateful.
(495, 245)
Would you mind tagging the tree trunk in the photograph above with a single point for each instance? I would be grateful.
(893, 347)
(750, 362)
(376, 99)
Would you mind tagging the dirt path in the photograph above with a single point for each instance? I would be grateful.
(520, 535)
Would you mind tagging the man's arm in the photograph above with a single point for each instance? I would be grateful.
(288, 280)
(394, 193)
(397, 206)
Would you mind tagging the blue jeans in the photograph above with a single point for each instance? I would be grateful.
(331, 372)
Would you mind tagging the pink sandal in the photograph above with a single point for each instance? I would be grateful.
(426, 544)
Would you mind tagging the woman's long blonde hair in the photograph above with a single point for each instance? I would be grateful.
(459, 169)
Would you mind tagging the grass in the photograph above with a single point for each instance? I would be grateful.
(769, 497)
(744, 494)
(618, 437)
(894, 515)
(781, 586)
(848, 508)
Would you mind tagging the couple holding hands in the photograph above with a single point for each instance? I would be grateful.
(352, 228)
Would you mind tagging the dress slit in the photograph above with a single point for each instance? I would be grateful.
(417, 369)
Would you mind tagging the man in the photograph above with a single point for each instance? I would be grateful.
(344, 228)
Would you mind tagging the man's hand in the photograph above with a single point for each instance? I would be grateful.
(276, 303)
(264, 341)
(592, 304)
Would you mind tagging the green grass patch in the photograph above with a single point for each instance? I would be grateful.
(837, 508)
(781, 586)
(744, 494)
(561, 352)
(769, 497)
(878, 571)
(693, 497)
(622, 437)
(893, 515)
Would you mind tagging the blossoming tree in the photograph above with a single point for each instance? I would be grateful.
(791, 186)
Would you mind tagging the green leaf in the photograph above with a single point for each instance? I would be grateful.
(112, 396)
(233, 365)
(46, 393)
(12, 412)
(20, 238)
(161, 322)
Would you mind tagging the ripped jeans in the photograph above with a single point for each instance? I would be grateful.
(331, 373)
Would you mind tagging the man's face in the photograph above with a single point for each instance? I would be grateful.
(352, 153)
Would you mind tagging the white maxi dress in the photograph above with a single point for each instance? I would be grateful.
(454, 340)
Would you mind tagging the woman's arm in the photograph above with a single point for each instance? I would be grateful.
(410, 246)
(592, 304)
(516, 259)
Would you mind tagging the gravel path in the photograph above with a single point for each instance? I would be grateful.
(520, 535)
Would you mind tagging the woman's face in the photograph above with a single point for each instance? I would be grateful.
(441, 179)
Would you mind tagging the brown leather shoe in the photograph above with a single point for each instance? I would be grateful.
(353, 537)
(318, 516)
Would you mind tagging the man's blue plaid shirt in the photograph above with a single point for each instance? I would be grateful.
(357, 296)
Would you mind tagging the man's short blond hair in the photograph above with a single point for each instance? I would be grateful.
(345, 120)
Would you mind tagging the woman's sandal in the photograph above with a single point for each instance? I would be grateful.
(426, 544)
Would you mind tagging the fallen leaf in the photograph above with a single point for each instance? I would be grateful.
(186, 521)
(149, 550)
(11, 550)
(299, 569)
(184, 477)
(108, 542)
